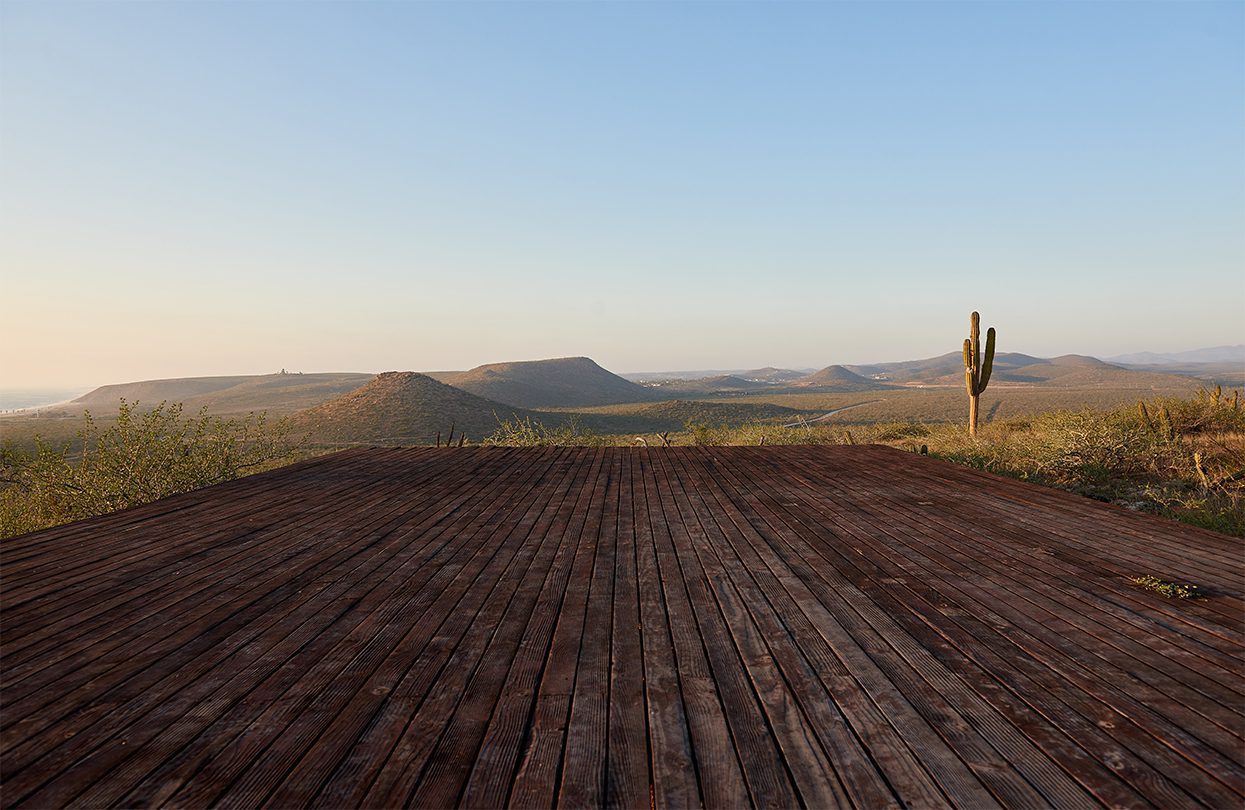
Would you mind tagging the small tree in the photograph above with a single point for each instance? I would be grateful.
(140, 458)
(976, 372)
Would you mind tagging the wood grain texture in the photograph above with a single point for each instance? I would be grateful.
(625, 627)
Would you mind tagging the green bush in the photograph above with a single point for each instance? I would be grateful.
(142, 457)
(703, 434)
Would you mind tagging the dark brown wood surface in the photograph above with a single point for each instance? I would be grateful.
(627, 627)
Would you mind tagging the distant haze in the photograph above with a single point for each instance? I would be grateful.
(35, 398)
(1217, 354)
(193, 189)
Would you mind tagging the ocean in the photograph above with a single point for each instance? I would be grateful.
(34, 398)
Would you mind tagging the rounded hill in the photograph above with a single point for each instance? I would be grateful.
(770, 374)
(839, 379)
(402, 407)
(723, 384)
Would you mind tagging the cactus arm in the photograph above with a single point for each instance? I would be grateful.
(988, 365)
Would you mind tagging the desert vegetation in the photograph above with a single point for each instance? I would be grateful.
(141, 456)
(977, 371)
(1149, 442)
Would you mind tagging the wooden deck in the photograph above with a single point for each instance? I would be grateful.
(775, 626)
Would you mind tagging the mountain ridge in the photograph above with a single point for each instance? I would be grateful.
(279, 393)
(564, 382)
(579, 382)
(1212, 354)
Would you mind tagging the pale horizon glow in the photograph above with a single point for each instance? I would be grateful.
(211, 189)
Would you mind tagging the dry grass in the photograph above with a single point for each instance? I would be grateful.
(949, 404)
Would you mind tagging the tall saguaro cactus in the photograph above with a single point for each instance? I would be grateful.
(976, 372)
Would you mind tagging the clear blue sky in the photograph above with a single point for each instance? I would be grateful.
(198, 188)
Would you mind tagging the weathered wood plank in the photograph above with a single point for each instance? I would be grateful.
(665, 627)
(537, 779)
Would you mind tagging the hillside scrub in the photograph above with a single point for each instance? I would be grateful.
(530, 432)
(141, 457)
(1187, 463)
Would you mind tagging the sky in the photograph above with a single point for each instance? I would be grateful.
(226, 188)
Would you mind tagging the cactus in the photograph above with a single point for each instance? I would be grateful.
(1166, 426)
(976, 371)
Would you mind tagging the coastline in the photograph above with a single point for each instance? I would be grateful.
(34, 409)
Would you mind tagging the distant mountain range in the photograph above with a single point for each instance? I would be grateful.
(1069, 370)
(1221, 365)
(412, 407)
(1201, 363)
(1216, 354)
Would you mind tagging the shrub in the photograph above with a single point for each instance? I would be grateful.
(142, 457)
(528, 432)
(705, 435)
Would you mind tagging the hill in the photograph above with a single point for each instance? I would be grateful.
(837, 378)
(769, 374)
(569, 382)
(1229, 375)
(1070, 370)
(404, 407)
(276, 393)
(646, 377)
(1221, 365)
(1217, 354)
(1075, 370)
(730, 382)
(935, 369)
(724, 384)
